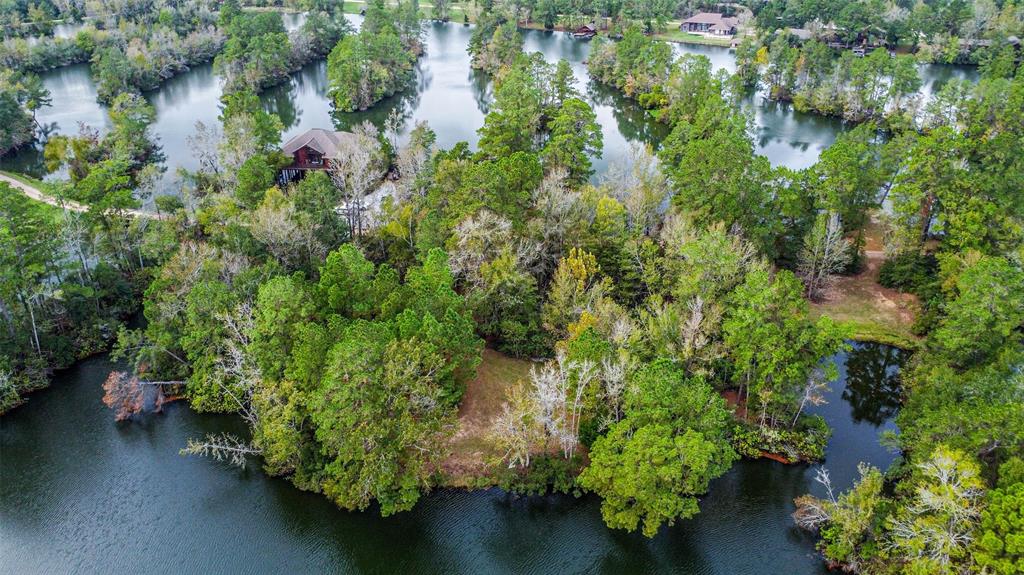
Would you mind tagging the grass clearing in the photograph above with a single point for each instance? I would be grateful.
(472, 452)
(872, 312)
(674, 34)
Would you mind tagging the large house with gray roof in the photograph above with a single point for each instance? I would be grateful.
(710, 23)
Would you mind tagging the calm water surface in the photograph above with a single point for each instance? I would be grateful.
(446, 94)
(80, 493)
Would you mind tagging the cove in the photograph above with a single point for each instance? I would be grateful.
(81, 493)
(446, 93)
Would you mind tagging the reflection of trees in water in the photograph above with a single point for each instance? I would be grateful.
(873, 382)
(406, 102)
(281, 100)
(634, 123)
(422, 77)
(780, 121)
(199, 87)
(483, 89)
(29, 158)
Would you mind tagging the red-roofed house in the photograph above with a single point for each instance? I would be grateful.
(312, 150)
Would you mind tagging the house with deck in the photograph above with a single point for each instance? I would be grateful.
(585, 32)
(313, 149)
(710, 23)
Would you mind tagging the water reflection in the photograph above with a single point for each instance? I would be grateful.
(873, 382)
(446, 93)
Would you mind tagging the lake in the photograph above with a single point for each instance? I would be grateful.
(80, 493)
(446, 93)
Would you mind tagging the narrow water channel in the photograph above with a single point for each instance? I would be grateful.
(81, 493)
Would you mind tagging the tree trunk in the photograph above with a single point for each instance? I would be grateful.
(35, 330)
(926, 216)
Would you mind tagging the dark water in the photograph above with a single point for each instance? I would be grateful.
(80, 493)
(446, 93)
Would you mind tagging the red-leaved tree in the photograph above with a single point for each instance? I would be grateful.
(123, 395)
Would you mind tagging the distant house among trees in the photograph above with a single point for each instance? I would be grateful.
(711, 23)
(586, 31)
(314, 149)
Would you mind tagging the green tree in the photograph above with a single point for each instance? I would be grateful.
(575, 137)
(773, 344)
(514, 120)
(986, 314)
(1000, 544)
(255, 177)
(365, 68)
(380, 419)
(652, 465)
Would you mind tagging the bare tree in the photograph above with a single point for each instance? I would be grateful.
(613, 380)
(825, 253)
(560, 210)
(811, 512)
(205, 144)
(641, 187)
(358, 168)
(813, 393)
(558, 392)
(292, 242)
(481, 238)
(517, 430)
(221, 447)
(412, 162)
(237, 375)
(940, 521)
(76, 236)
(239, 143)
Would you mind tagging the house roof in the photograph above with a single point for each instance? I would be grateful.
(713, 18)
(327, 142)
(801, 33)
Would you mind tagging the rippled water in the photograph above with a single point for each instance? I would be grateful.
(80, 493)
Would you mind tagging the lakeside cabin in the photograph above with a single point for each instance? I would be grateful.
(313, 149)
(710, 23)
(585, 32)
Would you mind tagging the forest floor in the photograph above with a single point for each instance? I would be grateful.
(873, 312)
(472, 451)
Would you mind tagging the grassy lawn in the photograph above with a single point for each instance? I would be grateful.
(472, 452)
(674, 34)
(872, 312)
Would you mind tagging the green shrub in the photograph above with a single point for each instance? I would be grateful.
(805, 442)
(908, 271)
(546, 474)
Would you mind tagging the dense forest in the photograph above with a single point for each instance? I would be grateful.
(665, 307)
